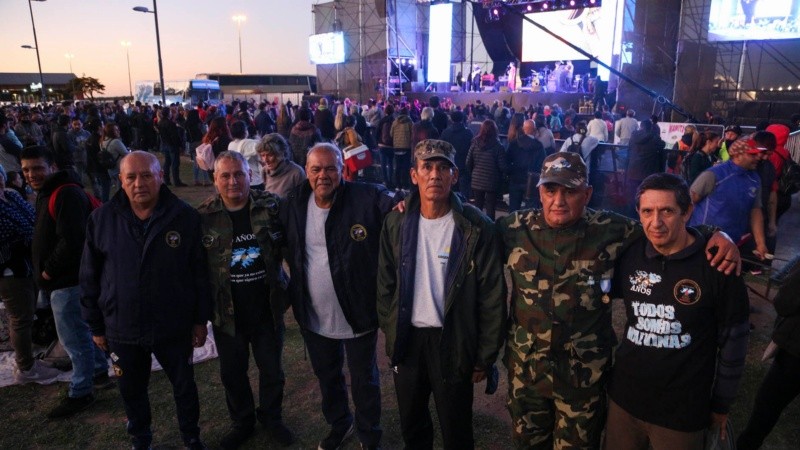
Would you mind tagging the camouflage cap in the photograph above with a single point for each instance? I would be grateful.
(745, 145)
(564, 168)
(435, 148)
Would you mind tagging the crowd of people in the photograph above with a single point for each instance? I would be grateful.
(420, 256)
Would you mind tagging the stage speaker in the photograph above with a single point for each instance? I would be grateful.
(455, 89)
(488, 88)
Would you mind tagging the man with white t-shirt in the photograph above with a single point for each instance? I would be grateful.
(332, 229)
(441, 301)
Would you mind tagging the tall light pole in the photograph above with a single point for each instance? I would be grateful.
(158, 45)
(36, 47)
(127, 45)
(239, 18)
(69, 57)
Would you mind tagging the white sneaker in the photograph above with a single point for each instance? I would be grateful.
(37, 373)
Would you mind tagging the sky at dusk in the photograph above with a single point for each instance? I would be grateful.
(197, 36)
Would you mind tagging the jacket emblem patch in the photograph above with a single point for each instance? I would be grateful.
(358, 232)
(207, 240)
(173, 239)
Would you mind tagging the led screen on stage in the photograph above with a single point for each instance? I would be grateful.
(595, 30)
(439, 40)
(326, 48)
(754, 20)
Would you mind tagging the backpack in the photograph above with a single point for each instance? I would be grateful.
(94, 202)
(686, 163)
(575, 147)
(205, 157)
(105, 159)
(789, 179)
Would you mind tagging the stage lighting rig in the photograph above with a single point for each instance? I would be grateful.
(531, 6)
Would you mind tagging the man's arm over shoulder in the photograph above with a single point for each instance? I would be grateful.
(198, 266)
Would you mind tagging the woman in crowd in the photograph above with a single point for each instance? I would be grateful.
(283, 124)
(545, 136)
(219, 136)
(281, 174)
(525, 157)
(112, 143)
(705, 158)
(340, 122)
(486, 162)
(348, 139)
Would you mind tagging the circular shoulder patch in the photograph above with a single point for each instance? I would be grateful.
(687, 292)
(358, 232)
(173, 239)
(207, 240)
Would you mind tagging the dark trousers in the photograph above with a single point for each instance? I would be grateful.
(327, 359)
(779, 388)
(485, 200)
(387, 166)
(132, 365)
(18, 296)
(234, 359)
(419, 376)
(172, 163)
(402, 170)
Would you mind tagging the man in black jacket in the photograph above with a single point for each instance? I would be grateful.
(144, 278)
(62, 208)
(63, 146)
(332, 232)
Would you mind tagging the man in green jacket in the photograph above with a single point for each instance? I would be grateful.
(441, 301)
(241, 234)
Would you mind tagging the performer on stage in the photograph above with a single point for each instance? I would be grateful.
(512, 76)
(475, 78)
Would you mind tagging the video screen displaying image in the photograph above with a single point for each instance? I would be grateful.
(326, 48)
(754, 20)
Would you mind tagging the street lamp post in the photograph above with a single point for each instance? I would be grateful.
(158, 45)
(127, 45)
(239, 18)
(36, 47)
(69, 57)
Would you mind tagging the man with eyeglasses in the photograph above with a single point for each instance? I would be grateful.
(728, 195)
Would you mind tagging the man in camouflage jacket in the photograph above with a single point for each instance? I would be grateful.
(561, 259)
(240, 230)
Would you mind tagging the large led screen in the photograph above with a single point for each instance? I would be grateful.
(753, 20)
(597, 31)
(326, 48)
(439, 41)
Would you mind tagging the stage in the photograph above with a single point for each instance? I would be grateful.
(517, 100)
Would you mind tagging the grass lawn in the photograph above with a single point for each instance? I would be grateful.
(23, 408)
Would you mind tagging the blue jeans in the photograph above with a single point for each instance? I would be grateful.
(172, 163)
(87, 359)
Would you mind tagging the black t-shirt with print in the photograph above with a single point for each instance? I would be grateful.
(664, 367)
(248, 274)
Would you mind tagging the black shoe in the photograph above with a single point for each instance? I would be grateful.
(234, 438)
(180, 184)
(196, 444)
(70, 406)
(335, 439)
(102, 381)
(280, 434)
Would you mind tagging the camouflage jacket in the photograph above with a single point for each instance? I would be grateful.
(560, 324)
(217, 239)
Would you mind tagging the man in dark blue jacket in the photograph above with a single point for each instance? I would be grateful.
(332, 232)
(145, 287)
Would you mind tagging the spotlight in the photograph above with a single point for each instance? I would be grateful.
(544, 6)
(412, 61)
(572, 3)
(496, 12)
(530, 8)
(397, 61)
